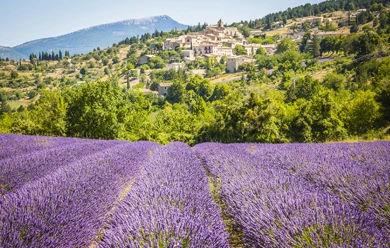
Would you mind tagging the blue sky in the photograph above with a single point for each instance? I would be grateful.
(25, 20)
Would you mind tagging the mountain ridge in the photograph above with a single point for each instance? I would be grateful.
(9, 52)
(86, 39)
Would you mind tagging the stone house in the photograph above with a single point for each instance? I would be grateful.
(176, 66)
(144, 59)
(251, 48)
(271, 49)
(223, 51)
(163, 89)
(205, 48)
(188, 53)
(172, 43)
(234, 62)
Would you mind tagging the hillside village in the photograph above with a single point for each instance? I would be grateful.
(211, 44)
(219, 41)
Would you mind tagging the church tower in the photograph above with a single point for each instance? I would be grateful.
(220, 23)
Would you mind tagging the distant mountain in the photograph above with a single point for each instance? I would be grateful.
(8, 52)
(85, 40)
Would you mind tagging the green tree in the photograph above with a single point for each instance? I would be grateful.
(362, 44)
(115, 60)
(31, 94)
(262, 117)
(105, 61)
(300, 129)
(335, 81)
(362, 112)
(4, 107)
(206, 89)
(49, 114)
(83, 71)
(261, 51)
(213, 72)
(223, 60)
(375, 22)
(221, 91)
(289, 60)
(304, 88)
(330, 26)
(306, 26)
(126, 71)
(247, 66)
(20, 109)
(245, 32)
(239, 50)
(383, 20)
(94, 111)
(331, 44)
(227, 126)
(14, 74)
(286, 44)
(156, 63)
(354, 28)
(327, 125)
(176, 93)
(315, 49)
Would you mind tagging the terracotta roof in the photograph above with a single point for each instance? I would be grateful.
(165, 84)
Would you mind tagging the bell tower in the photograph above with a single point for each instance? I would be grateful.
(220, 23)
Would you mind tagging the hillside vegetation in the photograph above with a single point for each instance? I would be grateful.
(312, 90)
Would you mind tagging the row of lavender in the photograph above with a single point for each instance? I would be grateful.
(169, 206)
(65, 196)
(357, 173)
(304, 195)
(13, 144)
(17, 170)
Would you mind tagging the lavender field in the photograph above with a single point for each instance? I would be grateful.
(66, 192)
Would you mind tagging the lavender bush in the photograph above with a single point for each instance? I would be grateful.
(169, 206)
(275, 207)
(69, 207)
(13, 144)
(21, 169)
